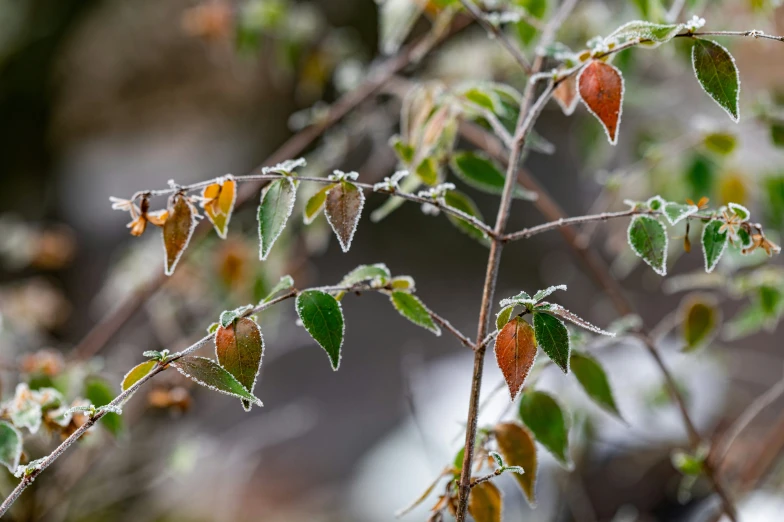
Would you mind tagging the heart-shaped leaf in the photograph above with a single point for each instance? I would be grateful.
(545, 418)
(412, 309)
(714, 242)
(277, 203)
(343, 209)
(177, 230)
(10, 446)
(553, 337)
(515, 352)
(601, 90)
(210, 374)
(484, 502)
(239, 348)
(137, 373)
(648, 239)
(516, 444)
(322, 317)
(718, 75)
(594, 381)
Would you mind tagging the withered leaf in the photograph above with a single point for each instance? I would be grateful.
(239, 348)
(343, 210)
(218, 204)
(177, 230)
(517, 446)
(484, 502)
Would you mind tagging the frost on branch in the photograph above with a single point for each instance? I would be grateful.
(286, 167)
(391, 184)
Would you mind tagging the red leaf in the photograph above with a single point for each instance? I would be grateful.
(177, 230)
(601, 89)
(239, 348)
(566, 95)
(515, 351)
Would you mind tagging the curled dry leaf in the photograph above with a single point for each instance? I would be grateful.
(239, 348)
(601, 89)
(515, 352)
(343, 209)
(517, 446)
(484, 503)
(218, 203)
(177, 230)
(566, 95)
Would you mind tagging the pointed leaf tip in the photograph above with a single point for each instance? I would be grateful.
(717, 74)
(553, 337)
(515, 352)
(322, 317)
(648, 239)
(277, 203)
(239, 348)
(177, 230)
(210, 374)
(343, 210)
(601, 89)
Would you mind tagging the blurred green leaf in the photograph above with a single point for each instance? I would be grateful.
(545, 418)
(100, 393)
(410, 307)
(594, 381)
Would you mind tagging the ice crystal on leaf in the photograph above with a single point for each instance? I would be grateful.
(695, 23)
(286, 167)
(391, 183)
(339, 175)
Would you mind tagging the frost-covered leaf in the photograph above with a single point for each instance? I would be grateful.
(718, 75)
(396, 18)
(739, 210)
(218, 203)
(277, 203)
(700, 320)
(714, 243)
(515, 352)
(517, 446)
(25, 409)
(484, 502)
(410, 307)
(408, 185)
(404, 151)
(650, 34)
(177, 230)
(10, 446)
(601, 90)
(210, 374)
(482, 173)
(541, 294)
(720, 142)
(316, 204)
(238, 349)
(503, 317)
(322, 317)
(403, 283)
(594, 381)
(100, 393)
(677, 212)
(553, 337)
(648, 239)
(227, 317)
(485, 99)
(521, 299)
(137, 373)
(566, 95)
(364, 273)
(547, 421)
(460, 201)
(284, 283)
(343, 209)
(565, 314)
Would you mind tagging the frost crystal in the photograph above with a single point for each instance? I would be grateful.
(695, 23)
(286, 167)
(339, 175)
(430, 210)
(391, 183)
(437, 192)
(563, 313)
(597, 45)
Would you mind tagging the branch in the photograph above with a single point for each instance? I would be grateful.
(498, 34)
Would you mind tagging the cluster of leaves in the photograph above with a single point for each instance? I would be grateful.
(722, 227)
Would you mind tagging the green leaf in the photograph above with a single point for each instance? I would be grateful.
(701, 177)
(748, 321)
(227, 317)
(777, 134)
(427, 171)
(404, 151)
(677, 212)
(739, 210)
(238, 349)
(503, 317)
(541, 294)
(405, 283)
(484, 502)
(648, 239)
(322, 317)
(713, 243)
(482, 173)
(563, 313)
(485, 98)
(100, 393)
(594, 381)
(722, 143)
(517, 446)
(10, 446)
(210, 374)
(364, 273)
(277, 203)
(700, 321)
(284, 283)
(718, 75)
(545, 418)
(316, 204)
(652, 35)
(686, 463)
(343, 210)
(536, 8)
(412, 309)
(460, 201)
(553, 337)
(137, 373)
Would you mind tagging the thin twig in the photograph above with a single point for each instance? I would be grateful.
(486, 478)
(498, 34)
(454, 331)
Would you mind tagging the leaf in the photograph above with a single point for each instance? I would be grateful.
(537, 9)
(565, 94)
(315, 204)
(739, 210)
(238, 349)
(427, 171)
(748, 321)
(700, 321)
(517, 446)
(277, 203)
(364, 273)
(553, 337)
(652, 35)
(410, 307)
(648, 239)
(463, 203)
(484, 502)
(713, 243)
(397, 17)
(10, 446)
(686, 463)
(722, 143)
(565, 314)
(100, 393)
(503, 317)
(515, 352)
(777, 134)
(219, 206)
(402, 283)
(541, 294)
(284, 283)
(677, 212)
(227, 317)
(521, 299)
(210, 374)
(601, 90)
(545, 418)
(482, 173)
(177, 230)
(137, 373)
(718, 75)
(594, 381)
(322, 317)
(344, 208)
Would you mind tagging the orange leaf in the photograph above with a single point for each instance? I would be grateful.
(566, 95)
(601, 89)
(177, 230)
(218, 203)
(517, 446)
(239, 348)
(484, 502)
(515, 352)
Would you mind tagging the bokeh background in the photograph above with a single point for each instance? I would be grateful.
(102, 98)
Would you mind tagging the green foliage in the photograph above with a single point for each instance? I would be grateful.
(210, 374)
(553, 337)
(463, 203)
(482, 173)
(714, 242)
(410, 307)
(315, 204)
(594, 381)
(650, 34)
(648, 240)
(322, 317)
(100, 393)
(547, 421)
(718, 75)
(700, 321)
(284, 283)
(10, 446)
(137, 373)
(537, 9)
(277, 203)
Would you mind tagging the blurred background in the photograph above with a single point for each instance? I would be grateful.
(103, 98)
